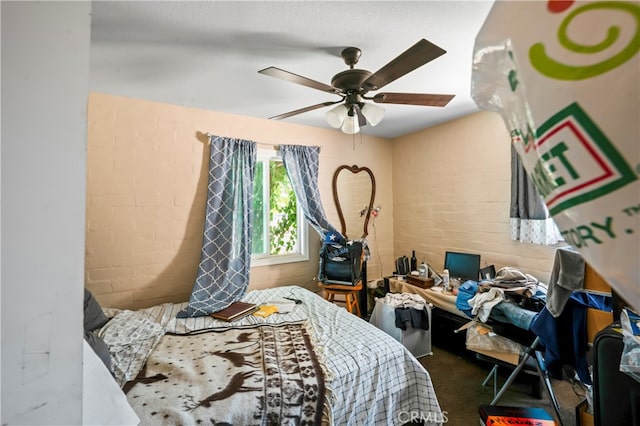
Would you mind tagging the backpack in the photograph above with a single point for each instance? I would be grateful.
(341, 264)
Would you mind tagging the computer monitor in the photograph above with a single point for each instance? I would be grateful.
(464, 266)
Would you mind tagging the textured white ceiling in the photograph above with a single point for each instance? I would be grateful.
(207, 54)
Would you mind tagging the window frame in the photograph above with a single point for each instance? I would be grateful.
(265, 259)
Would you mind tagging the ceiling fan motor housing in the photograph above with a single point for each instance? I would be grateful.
(350, 80)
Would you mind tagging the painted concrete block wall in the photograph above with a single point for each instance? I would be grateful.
(147, 185)
(45, 75)
(451, 189)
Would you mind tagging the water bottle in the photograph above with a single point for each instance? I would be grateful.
(422, 271)
(445, 279)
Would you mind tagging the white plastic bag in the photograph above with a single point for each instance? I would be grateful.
(564, 76)
(478, 338)
(630, 360)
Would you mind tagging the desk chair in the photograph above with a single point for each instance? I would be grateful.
(538, 363)
(349, 292)
(529, 369)
(529, 362)
(510, 360)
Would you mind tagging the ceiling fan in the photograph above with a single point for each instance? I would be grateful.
(354, 84)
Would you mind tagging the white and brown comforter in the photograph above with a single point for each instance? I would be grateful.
(317, 362)
(265, 375)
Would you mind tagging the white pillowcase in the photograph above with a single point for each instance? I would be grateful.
(131, 336)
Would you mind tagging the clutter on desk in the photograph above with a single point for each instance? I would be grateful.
(413, 262)
(482, 302)
(522, 289)
(423, 271)
(445, 279)
(419, 281)
(515, 305)
(402, 265)
(513, 280)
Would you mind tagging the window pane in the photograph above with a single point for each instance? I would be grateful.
(283, 220)
(258, 245)
(277, 236)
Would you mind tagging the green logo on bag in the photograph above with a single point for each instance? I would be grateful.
(576, 162)
(554, 69)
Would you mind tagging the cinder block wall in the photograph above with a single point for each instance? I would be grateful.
(451, 190)
(146, 189)
(444, 188)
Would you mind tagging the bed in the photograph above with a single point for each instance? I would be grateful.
(317, 364)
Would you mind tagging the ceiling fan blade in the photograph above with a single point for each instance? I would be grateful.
(298, 79)
(301, 110)
(413, 99)
(417, 55)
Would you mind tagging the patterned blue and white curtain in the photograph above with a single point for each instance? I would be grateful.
(225, 261)
(530, 221)
(302, 164)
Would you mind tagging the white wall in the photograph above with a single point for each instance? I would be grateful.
(45, 64)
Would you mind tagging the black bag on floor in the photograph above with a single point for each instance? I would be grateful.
(616, 396)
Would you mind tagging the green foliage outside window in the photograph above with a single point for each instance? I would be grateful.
(283, 213)
(283, 219)
(257, 237)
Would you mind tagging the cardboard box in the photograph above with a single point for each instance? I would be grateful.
(496, 415)
(583, 416)
(507, 357)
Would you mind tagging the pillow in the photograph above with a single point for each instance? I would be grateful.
(94, 317)
(131, 337)
(100, 348)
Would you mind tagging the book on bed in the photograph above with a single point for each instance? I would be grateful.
(235, 311)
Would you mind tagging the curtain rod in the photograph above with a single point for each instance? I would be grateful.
(274, 145)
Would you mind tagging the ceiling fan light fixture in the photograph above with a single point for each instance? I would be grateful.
(373, 113)
(350, 125)
(335, 116)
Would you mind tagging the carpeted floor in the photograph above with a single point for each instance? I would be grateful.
(457, 377)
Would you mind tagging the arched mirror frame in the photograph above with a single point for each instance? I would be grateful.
(353, 169)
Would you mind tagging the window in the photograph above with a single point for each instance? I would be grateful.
(279, 228)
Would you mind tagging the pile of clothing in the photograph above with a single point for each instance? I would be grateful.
(523, 292)
(410, 310)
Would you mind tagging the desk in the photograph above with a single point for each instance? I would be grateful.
(448, 318)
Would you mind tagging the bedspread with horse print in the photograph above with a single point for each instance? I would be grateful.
(263, 375)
